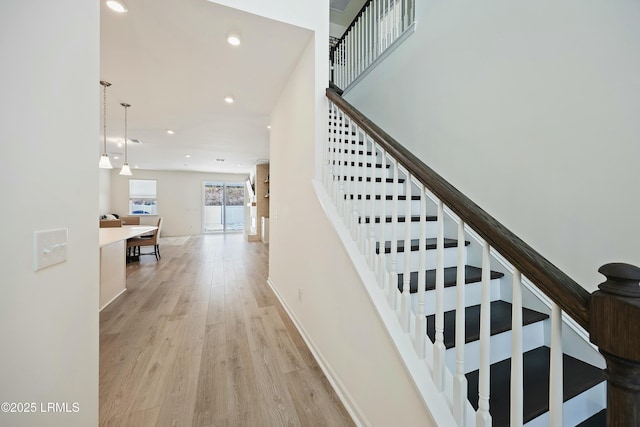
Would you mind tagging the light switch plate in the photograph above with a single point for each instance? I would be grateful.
(49, 248)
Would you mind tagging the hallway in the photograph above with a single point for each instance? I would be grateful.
(199, 339)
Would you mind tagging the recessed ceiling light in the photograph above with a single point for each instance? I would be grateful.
(116, 157)
(268, 126)
(116, 6)
(170, 132)
(187, 155)
(229, 99)
(233, 39)
(119, 144)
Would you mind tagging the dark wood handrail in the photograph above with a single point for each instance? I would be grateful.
(559, 287)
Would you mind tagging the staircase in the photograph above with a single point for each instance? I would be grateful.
(413, 244)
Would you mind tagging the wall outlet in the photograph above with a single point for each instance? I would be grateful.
(49, 248)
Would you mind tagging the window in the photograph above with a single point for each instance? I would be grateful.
(142, 197)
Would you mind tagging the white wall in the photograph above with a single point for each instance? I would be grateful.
(104, 192)
(307, 257)
(180, 199)
(49, 177)
(532, 111)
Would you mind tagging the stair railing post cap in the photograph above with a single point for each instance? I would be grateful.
(622, 279)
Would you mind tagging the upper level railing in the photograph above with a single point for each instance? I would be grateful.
(375, 28)
(611, 316)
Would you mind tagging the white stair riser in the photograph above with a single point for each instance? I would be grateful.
(532, 337)
(473, 296)
(577, 409)
(351, 171)
(349, 155)
(400, 229)
(350, 188)
(450, 259)
(414, 209)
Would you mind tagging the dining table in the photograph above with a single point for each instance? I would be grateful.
(113, 259)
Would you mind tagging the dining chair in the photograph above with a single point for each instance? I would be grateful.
(137, 242)
(109, 223)
(130, 220)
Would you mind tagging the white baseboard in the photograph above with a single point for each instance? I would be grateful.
(112, 299)
(343, 394)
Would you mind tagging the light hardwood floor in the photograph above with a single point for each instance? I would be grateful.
(199, 339)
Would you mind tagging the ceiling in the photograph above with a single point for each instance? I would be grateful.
(170, 60)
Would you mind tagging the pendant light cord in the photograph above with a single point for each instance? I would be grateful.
(104, 112)
(126, 106)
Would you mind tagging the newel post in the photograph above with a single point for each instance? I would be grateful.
(614, 326)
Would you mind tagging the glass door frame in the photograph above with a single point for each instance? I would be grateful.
(224, 212)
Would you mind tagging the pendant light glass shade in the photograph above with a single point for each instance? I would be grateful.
(125, 167)
(105, 163)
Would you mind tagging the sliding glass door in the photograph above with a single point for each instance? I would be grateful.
(223, 206)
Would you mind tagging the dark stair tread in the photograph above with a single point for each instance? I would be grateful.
(360, 152)
(578, 377)
(378, 197)
(368, 165)
(472, 275)
(368, 179)
(596, 420)
(431, 244)
(500, 322)
(401, 218)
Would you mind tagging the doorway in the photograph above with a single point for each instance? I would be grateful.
(223, 207)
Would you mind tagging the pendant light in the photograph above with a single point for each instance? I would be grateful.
(125, 167)
(105, 163)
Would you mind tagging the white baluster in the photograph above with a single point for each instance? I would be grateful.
(340, 51)
(372, 211)
(346, 61)
(439, 348)
(348, 214)
(331, 145)
(396, 29)
(350, 57)
(517, 367)
(374, 33)
(370, 34)
(421, 318)
(393, 276)
(405, 311)
(405, 16)
(387, 25)
(483, 417)
(365, 24)
(343, 169)
(413, 10)
(326, 172)
(383, 224)
(358, 50)
(362, 235)
(460, 380)
(355, 214)
(339, 162)
(555, 380)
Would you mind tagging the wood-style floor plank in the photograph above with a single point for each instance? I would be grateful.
(199, 339)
